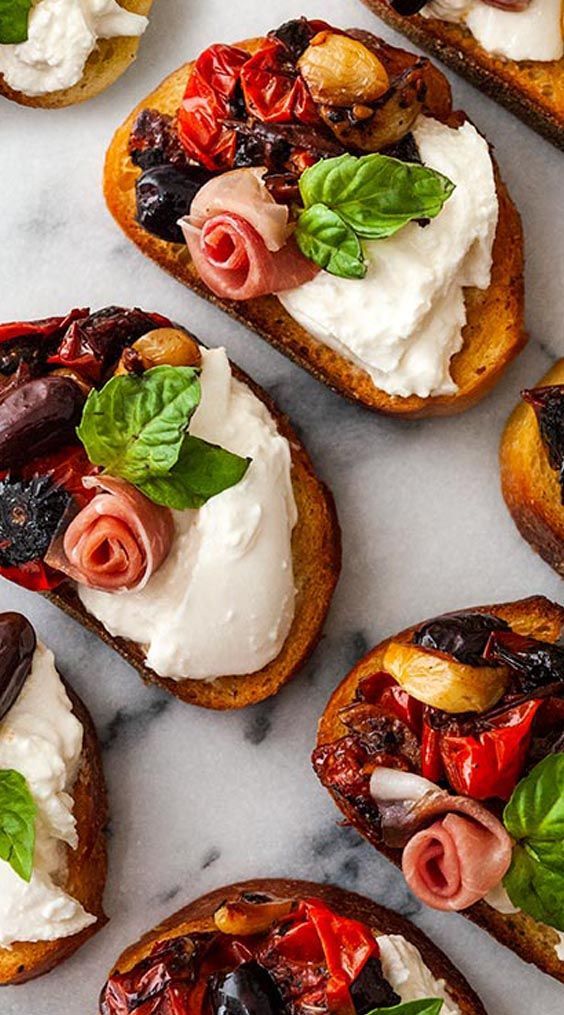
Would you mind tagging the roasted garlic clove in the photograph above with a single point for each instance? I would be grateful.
(439, 680)
(161, 347)
(251, 914)
(340, 71)
(390, 119)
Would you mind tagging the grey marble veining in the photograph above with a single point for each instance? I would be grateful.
(200, 799)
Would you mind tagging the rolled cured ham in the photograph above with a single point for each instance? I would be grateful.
(451, 862)
(458, 859)
(243, 192)
(117, 541)
(234, 262)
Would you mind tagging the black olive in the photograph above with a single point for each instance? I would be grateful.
(38, 417)
(17, 645)
(463, 635)
(407, 7)
(538, 663)
(371, 990)
(295, 35)
(247, 990)
(30, 513)
(163, 195)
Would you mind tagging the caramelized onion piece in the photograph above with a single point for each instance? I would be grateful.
(341, 71)
(251, 914)
(439, 680)
(391, 117)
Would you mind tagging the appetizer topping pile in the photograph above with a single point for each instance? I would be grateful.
(315, 123)
(95, 450)
(548, 403)
(262, 955)
(465, 716)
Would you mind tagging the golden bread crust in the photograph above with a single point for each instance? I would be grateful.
(493, 336)
(196, 917)
(531, 488)
(105, 65)
(87, 865)
(540, 618)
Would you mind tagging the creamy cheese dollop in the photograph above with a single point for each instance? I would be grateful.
(223, 601)
(42, 740)
(533, 34)
(61, 36)
(403, 967)
(403, 321)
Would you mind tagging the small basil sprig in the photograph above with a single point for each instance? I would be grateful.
(424, 1006)
(14, 19)
(136, 428)
(371, 197)
(17, 823)
(534, 817)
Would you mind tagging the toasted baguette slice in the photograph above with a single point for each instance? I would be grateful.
(316, 553)
(106, 64)
(196, 917)
(493, 335)
(531, 89)
(530, 487)
(86, 865)
(540, 618)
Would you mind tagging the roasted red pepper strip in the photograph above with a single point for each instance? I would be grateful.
(381, 689)
(274, 92)
(206, 106)
(431, 760)
(41, 329)
(344, 945)
(490, 764)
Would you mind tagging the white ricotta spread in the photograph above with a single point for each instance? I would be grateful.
(499, 899)
(61, 36)
(403, 321)
(405, 970)
(223, 601)
(42, 740)
(533, 34)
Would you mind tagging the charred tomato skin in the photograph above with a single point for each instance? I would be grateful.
(31, 511)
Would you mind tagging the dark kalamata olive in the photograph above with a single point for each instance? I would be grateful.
(295, 35)
(548, 403)
(408, 7)
(463, 635)
(17, 645)
(538, 663)
(247, 990)
(371, 990)
(38, 417)
(163, 195)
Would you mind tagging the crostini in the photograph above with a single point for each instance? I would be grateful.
(275, 947)
(511, 49)
(444, 747)
(56, 53)
(154, 492)
(53, 811)
(532, 467)
(317, 185)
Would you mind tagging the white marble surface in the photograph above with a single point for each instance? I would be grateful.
(199, 799)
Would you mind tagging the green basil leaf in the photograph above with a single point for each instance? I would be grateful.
(135, 425)
(424, 1006)
(535, 889)
(534, 817)
(202, 471)
(17, 823)
(14, 18)
(536, 809)
(375, 195)
(324, 238)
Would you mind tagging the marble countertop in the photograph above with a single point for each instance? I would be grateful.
(200, 799)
